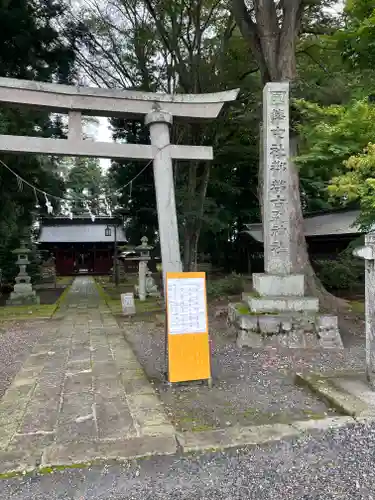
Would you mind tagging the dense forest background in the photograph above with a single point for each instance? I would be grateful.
(195, 46)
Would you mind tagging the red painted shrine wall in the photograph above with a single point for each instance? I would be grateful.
(70, 261)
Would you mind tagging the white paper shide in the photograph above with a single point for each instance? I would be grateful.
(187, 307)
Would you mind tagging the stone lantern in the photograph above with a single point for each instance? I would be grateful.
(23, 292)
(144, 250)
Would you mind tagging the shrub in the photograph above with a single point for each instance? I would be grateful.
(230, 285)
(345, 273)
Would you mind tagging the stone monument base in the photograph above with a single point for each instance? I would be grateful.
(283, 320)
(22, 299)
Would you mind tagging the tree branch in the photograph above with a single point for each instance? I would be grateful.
(249, 31)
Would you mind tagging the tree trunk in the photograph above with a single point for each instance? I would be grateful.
(194, 205)
(191, 249)
(193, 227)
(272, 43)
(187, 249)
(300, 258)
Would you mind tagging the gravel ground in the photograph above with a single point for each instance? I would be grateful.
(16, 341)
(331, 465)
(250, 386)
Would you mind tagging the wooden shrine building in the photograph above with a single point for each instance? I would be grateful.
(327, 235)
(80, 245)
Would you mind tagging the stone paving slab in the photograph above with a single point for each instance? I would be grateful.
(255, 435)
(81, 395)
(348, 391)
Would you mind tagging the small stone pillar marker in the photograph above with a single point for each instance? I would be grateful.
(144, 250)
(23, 292)
(368, 254)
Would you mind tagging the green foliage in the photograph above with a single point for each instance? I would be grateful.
(230, 285)
(330, 136)
(357, 39)
(347, 272)
(357, 183)
(342, 274)
(34, 47)
(338, 150)
(333, 133)
(85, 180)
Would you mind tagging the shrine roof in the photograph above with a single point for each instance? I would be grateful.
(324, 224)
(79, 230)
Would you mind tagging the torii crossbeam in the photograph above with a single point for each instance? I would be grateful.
(159, 110)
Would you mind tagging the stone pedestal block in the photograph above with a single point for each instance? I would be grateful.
(283, 304)
(328, 331)
(286, 329)
(271, 285)
(20, 299)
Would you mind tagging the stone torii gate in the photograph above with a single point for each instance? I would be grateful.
(158, 110)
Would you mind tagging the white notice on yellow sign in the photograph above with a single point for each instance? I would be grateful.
(187, 309)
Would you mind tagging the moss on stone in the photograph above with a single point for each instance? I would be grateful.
(48, 470)
(202, 427)
(242, 308)
(312, 415)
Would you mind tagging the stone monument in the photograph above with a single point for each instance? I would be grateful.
(48, 270)
(145, 286)
(151, 286)
(368, 254)
(23, 293)
(128, 304)
(279, 312)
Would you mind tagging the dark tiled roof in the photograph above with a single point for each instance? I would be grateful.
(329, 224)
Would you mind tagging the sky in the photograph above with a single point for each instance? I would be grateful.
(101, 133)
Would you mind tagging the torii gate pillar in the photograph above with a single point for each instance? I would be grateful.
(159, 123)
(157, 110)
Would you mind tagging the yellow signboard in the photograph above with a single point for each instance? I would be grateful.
(187, 327)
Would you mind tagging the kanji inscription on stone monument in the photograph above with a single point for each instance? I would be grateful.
(276, 179)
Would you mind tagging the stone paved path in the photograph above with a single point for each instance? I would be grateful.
(81, 395)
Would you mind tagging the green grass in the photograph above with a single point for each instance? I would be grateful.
(26, 312)
(357, 306)
(41, 311)
(148, 306)
(64, 280)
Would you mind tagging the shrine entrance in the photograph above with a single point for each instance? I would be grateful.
(158, 111)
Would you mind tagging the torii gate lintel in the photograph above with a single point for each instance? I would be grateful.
(159, 111)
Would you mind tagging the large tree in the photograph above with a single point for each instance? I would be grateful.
(185, 46)
(85, 184)
(272, 30)
(32, 48)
